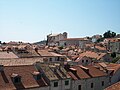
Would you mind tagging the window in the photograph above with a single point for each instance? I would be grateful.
(110, 79)
(50, 59)
(91, 85)
(65, 44)
(82, 61)
(58, 58)
(79, 87)
(62, 59)
(86, 60)
(67, 82)
(102, 83)
(55, 84)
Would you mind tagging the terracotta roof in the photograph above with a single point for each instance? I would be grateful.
(72, 76)
(110, 67)
(44, 53)
(89, 45)
(74, 57)
(1, 49)
(115, 86)
(7, 55)
(81, 73)
(99, 66)
(100, 48)
(48, 72)
(20, 61)
(92, 54)
(54, 73)
(25, 46)
(85, 72)
(94, 72)
(104, 65)
(114, 67)
(26, 53)
(8, 48)
(80, 58)
(78, 74)
(27, 79)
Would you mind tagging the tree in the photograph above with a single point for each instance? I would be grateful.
(100, 40)
(113, 34)
(109, 34)
(60, 47)
(113, 55)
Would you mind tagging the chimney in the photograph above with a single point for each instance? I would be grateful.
(37, 75)
(16, 78)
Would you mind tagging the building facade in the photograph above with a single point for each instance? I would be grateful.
(53, 39)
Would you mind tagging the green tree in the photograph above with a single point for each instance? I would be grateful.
(113, 55)
(109, 34)
(60, 47)
(100, 40)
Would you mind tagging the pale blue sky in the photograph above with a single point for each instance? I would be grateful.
(32, 20)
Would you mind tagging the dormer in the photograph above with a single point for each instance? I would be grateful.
(16, 78)
(37, 75)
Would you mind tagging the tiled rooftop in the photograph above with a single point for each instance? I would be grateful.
(115, 86)
(85, 72)
(27, 79)
(93, 54)
(26, 53)
(94, 72)
(44, 53)
(48, 72)
(105, 66)
(20, 61)
(7, 55)
(54, 72)
(114, 67)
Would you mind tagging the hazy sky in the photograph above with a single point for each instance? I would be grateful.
(32, 20)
